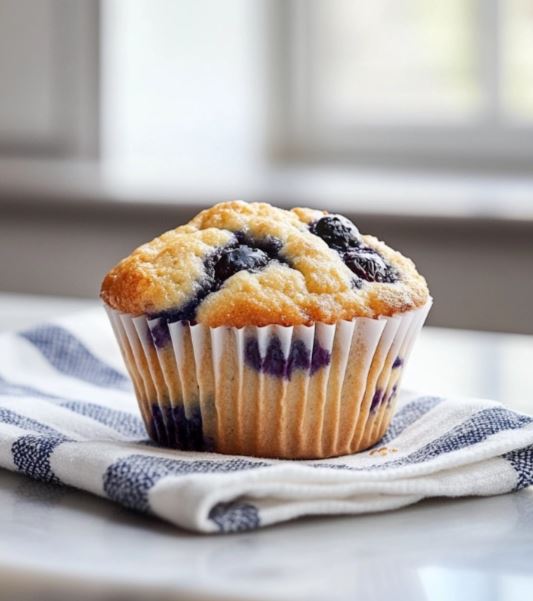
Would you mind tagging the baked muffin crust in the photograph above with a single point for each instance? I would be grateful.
(239, 264)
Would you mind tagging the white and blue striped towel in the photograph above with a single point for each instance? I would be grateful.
(68, 416)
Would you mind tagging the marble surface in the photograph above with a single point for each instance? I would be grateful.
(64, 544)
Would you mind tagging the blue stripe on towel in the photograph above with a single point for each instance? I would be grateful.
(122, 422)
(26, 423)
(472, 431)
(408, 415)
(72, 358)
(13, 389)
(522, 462)
(31, 453)
(130, 479)
(235, 516)
(476, 429)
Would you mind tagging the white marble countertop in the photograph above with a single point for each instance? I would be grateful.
(65, 544)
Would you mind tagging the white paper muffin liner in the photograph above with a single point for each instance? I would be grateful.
(289, 392)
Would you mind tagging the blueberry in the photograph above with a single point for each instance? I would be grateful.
(269, 245)
(186, 312)
(219, 266)
(252, 354)
(337, 232)
(398, 362)
(376, 399)
(299, 357)
(369, 266)
(320, 357)
(239, 259)
(341, 235)
(274, 362)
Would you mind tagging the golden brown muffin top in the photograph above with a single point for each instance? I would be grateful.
(239, 264)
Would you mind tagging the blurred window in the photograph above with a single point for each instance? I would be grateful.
(49, 61)
(413, 77)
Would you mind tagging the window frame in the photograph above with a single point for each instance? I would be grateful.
(75, 131)
(302, 135)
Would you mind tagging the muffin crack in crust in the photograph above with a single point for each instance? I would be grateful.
(240, 264)
(243, 253)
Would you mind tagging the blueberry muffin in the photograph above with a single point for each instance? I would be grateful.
(259, 331)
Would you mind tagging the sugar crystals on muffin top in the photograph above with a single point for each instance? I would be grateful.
(240, 264)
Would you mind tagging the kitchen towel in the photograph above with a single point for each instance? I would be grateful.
(68, 416)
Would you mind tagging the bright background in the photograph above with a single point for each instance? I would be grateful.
(122, 118)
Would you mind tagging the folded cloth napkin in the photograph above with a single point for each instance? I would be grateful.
(68, 416)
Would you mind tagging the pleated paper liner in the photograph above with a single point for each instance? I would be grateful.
(288, 392)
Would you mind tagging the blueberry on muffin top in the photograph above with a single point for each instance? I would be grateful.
(239, 264)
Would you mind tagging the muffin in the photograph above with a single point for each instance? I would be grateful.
(253, 330)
